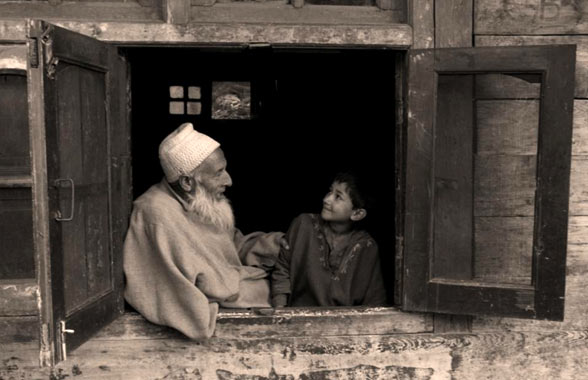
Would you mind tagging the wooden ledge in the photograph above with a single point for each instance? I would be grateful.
(294, 322)
(206, 34)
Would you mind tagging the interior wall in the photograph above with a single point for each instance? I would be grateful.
(316, 112)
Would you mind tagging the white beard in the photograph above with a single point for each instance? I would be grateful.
(217, 212)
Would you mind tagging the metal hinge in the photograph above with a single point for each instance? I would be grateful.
(34, 52)
(63, 331)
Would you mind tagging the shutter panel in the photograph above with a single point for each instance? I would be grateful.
(74, 104)
(487, 180)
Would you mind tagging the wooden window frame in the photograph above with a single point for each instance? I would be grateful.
(544, 298)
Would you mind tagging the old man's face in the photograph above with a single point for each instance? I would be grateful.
(213, 175)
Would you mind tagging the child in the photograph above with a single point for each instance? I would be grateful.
(330, 262)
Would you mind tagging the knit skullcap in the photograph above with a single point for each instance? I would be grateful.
(183, 151)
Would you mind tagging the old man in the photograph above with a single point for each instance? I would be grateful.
(183, 257)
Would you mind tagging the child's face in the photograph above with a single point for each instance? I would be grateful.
(337, 205)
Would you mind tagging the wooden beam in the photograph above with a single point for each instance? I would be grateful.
(176, 11)
(453, 23)
(453, 28)
(376, 34)
(421, 17)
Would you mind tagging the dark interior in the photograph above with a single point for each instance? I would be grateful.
(313, 113)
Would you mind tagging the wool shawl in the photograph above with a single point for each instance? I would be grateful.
(310, 276)
(179, 269)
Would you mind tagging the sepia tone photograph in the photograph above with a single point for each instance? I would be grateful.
(293, 189)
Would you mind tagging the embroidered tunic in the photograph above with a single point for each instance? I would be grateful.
(312, 275)
(179, 270)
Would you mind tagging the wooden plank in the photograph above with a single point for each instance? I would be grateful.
(453, 171)
(503, 250)
(421, 17)
(176, 11)
(81, 10)
(496, 355)
(68, 97)
(117, 96)
(530, 17)
(41, 214)
(453, 23)
(581, 42)
(449, 323)
(555, 135)
(16, 181)
(507, 127)
(419, 183)
(19, 297)
(579, 186)
(296, 322)
(508, 86)
(20, 329)
(280, 12)
(96, 164)
(381, 33)
(505, 185)
(580, 134)
(576, 307)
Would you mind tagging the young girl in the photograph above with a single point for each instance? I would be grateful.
(330, 262)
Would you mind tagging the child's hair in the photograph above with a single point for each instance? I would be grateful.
(358, 189)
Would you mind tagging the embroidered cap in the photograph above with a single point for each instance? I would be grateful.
(183, 151)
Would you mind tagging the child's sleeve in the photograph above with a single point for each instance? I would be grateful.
(280, 280)
(376, 290)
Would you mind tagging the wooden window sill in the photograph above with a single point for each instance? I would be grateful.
(283, 322)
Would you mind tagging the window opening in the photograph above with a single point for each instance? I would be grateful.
(180, 104)
(285, 127)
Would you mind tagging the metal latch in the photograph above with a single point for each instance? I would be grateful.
(64, 331)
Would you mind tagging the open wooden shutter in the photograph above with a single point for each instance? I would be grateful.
(487, 180)
(75, 108)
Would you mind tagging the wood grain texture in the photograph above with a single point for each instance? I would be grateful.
(507, 127)
(453, 168)
(421, 16)
(280, 12)
(580, 137)
(508, 86)
(20, 329)
(530, 17)
(576, 307)
(283, 323)
(579, 186)
(453, 23)
(581, 42)
(355, 31)
(503, 249)
(81, 10)
(490, 355)
(505, 185)
(19, 297)
(176, 11)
